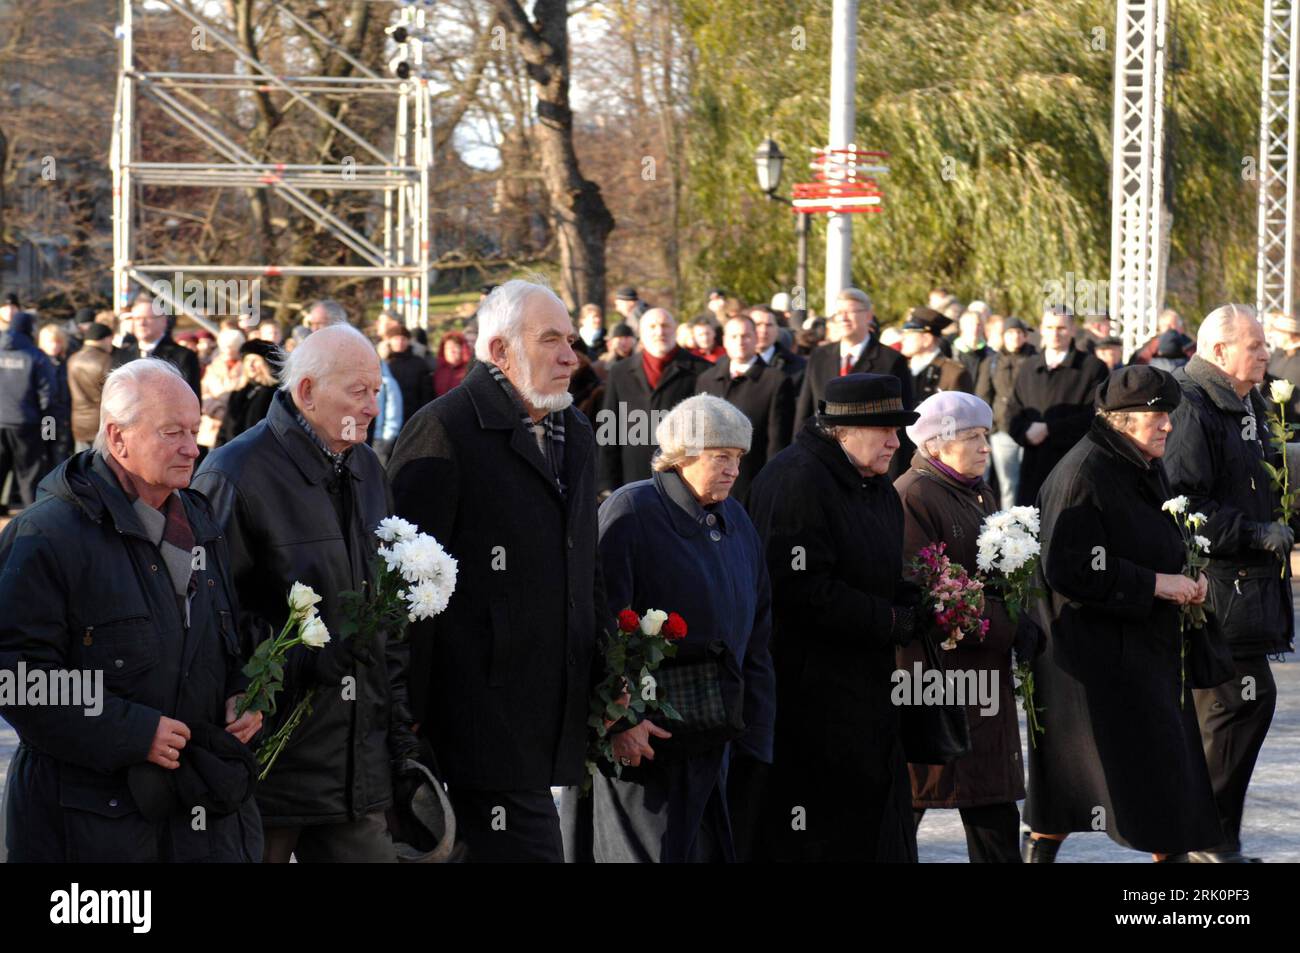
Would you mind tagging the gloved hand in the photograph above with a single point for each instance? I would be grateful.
(336, 658)
(912, 623)
(907, 593)
(1276, 538)
(1029, 639)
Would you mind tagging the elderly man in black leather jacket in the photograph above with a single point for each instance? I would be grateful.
(299, 496)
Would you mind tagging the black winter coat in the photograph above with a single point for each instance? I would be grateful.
(83, 587)
(766, 397)
(996, 381)
(414, 379)
(278, 499)
(1118, 748)
(248, 407)
(630, 412)
(1062, 398)
(834, 547)
(790, 364)
(168, 350)
(501, 680)
(27, 385)
(824, 366)
(1211, 458)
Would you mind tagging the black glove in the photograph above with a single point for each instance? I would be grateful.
(911, 623)
(1029, 639)
(1276, 538)
(907, 593)
(336, 658)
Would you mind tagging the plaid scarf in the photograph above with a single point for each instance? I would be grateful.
(552, 427)
(177, 546)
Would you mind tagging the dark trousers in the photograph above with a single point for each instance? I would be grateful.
(22, 453)
(365, 840)
(508, 826)
(992, 832)
(1232, 732)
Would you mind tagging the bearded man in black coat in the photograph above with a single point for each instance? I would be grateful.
(501, 470)
(1051, 405)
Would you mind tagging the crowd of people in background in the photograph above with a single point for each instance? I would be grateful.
(763, 431)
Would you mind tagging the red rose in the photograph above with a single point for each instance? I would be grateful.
(628, 621)
(674, 627)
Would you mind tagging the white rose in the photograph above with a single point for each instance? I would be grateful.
(653, 621)
(1177, 506)
(302, 599)
(1280, 391)
(1202, 542)
(314, 634)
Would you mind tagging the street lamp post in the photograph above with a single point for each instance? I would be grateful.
(768, 163)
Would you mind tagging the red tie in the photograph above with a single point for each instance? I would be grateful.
(847, 368)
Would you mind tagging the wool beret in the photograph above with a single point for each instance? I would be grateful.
(945, 413)
(703, 422)
(1140, 387)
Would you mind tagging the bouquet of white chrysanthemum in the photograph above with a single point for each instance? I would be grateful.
(1007, 556)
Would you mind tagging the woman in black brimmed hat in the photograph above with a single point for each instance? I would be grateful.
(1121, 751)
(249, 405)
(832, 529)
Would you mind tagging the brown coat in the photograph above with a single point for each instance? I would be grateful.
(943, 373)
(938, 509)
(87, 370)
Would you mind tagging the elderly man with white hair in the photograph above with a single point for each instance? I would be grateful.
(117, 583)
(299, 496)
(1216, 457)
(501, 470)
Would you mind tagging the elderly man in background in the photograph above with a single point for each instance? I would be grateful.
(638, 393)
(323, 313)
(501, 470)
(1216, 456)
(299, 497)
(100, 578)
(152, 329)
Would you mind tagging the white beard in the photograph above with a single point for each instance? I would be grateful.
(548, 402)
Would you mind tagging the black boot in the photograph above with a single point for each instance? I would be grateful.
(1039, 850)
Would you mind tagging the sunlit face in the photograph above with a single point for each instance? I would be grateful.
(623, 346)
(916, 342)
(452, 351)
(256, 368)
(1055, 332)
(149, 327)
(702, 335)
(1245, 356)
(740, 341)
(317, 319)
(971, 327)
(1148, 431)
(1110, 356)
(967, 452)
(160, 447)
(765, 330)
(853, 319)
(341, 404)
(398, 343)
(51, 342)
(658, 332)
(1013, 339)
(712, 474)
(870, 448)
(542, 373)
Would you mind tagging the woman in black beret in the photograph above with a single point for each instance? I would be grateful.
(1121, 750)
(249, 404)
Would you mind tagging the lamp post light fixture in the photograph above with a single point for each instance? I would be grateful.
(769, 161)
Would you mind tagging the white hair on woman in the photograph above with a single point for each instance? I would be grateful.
(1220, 326)
(501, 315)
(315, 356)
(121, 400)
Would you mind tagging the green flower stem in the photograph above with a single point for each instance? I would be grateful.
(271, 748)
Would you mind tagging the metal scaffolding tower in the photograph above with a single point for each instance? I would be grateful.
(400, 170)
(1138, 218)
(1274, 285)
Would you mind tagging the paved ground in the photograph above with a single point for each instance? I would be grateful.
(1271, 828)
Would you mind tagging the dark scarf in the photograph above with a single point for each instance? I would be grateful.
(953, 475)
(338, 460)
(552, 424)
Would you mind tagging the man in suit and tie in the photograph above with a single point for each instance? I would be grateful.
(640, 391)
(772, 351)
(858, 351)
(761, 393)
(153, 338)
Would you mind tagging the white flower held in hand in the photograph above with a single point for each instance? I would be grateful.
(1196, 519)
(1202, 542)
(394, 528)
(653, 621)
(314, 633)
(1281, 391)
(1177, 506)
(1026, 516)
(302, 599)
